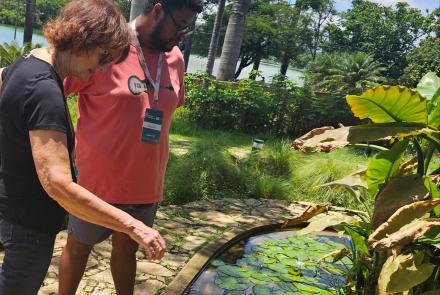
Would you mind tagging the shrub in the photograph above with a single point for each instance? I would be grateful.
(250, 106)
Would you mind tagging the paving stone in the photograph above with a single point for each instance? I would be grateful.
(51, 289)
(151, 287)
(101, 276)
(215, 217)
(183, 233)
(175, 260)
(153, 269)
(192, 242)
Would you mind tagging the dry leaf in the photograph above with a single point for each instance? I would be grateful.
(309, 212)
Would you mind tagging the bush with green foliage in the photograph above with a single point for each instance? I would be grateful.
(249, 106)
(421, 60)
(10, 52)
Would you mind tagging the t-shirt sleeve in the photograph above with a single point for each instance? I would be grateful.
(44, 107)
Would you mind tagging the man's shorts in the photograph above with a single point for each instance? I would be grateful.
(91, 234)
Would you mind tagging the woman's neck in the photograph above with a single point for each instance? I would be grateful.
(58, 60)
(61, 63)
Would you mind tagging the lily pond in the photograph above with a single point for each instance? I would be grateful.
(275, 263)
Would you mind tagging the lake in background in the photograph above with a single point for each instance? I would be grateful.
(196, 63)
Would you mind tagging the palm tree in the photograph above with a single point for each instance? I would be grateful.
(29, 21)
(354, 73)
(10, 52)
(233, 39)
(215, 36)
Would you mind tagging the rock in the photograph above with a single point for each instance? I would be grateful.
(151, 287)
(175, 259)
(215, 218)
(192, 242)
(144, 267)
(102, 276)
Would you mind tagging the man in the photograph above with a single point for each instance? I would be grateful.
(122, 136)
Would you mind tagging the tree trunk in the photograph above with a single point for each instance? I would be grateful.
(188, 44)
(285, 64)
(29, 21)
(136, 8)
(241, 66)
(215, 36)
(255, 67)
(233, 39)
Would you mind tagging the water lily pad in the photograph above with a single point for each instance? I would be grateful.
(262, 290)
(230, 283)
(233, 271)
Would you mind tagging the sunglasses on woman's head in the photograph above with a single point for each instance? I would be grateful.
(105, 58)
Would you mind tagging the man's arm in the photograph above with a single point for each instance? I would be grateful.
(1, 79)
(51, 158)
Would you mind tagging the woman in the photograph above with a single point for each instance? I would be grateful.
(37, 139)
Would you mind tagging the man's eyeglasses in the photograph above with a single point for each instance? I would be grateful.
(180, 30)
(105, 58)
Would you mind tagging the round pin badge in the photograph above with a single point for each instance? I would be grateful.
(136, 85)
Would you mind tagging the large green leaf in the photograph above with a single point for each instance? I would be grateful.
(358, 240)
(429, 86)
(432, 237)
(434, 117)
(384, 166)
(321, 224)
(387, 104)
(434, 192)
(398, 192)
(402, 273)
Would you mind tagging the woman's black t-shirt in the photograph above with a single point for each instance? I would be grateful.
(31, 98)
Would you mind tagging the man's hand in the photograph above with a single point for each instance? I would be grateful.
(148, 238)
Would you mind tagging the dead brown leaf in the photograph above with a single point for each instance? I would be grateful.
(309, 212)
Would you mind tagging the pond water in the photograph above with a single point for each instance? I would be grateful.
(7, 36)
(196, 63)
(275, 263)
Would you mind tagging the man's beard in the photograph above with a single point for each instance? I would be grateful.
(157, 41)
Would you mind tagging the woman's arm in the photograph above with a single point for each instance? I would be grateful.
(1, 80)
(51, 158)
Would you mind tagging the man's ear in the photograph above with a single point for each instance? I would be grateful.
(157, 11)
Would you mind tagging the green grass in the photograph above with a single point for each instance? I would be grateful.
(203, 166)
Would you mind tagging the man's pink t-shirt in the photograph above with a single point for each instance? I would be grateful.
(113, 162)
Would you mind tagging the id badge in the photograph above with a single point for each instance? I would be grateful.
(152, 126)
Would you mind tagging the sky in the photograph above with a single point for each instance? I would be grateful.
(342, 5)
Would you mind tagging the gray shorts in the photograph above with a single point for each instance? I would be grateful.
(91, 234)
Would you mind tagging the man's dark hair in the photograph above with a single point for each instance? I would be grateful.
(171, 5)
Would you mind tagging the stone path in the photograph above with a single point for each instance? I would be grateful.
(186, 229)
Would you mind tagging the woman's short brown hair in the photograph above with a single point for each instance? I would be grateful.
(85, 25)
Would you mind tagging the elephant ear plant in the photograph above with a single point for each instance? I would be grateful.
(396, 245)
